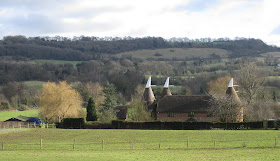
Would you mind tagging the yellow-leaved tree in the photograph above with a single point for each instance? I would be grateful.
(58, 101)
(218, 86)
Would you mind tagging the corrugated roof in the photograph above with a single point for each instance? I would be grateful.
(19, 118)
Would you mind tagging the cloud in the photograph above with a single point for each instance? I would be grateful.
(138, 18)
(198, 5)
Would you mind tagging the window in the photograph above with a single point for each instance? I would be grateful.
(191, 114)
(210, 114)
(170, 114)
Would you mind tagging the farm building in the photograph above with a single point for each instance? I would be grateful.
(121, 112)
(20, 121)
(20, 118)
(183, 108)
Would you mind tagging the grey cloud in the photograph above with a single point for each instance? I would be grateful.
(33, 4)
(34, 23)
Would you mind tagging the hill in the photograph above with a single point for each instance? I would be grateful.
(176, 54)
(91, 48)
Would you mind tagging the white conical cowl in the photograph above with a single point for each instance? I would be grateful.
(149, 83)
(166, 85)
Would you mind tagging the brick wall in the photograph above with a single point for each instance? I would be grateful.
(200, 116)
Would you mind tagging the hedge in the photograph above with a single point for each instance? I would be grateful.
(179, 125)
(77, 123)
(73, 123)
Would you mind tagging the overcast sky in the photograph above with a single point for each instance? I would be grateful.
(139, 18)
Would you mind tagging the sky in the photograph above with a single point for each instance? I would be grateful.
(139, 18)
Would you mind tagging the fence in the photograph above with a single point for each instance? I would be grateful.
(181, 125)
(21, 125)
(142, 145)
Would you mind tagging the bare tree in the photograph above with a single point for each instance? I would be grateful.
(251, 79)
(260, 110)
(225, 107)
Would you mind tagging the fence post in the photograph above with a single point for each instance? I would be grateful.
(74, 144)
(244, 143)
(188, 143)
(275, 141)
(28, 125)
(19, 126)
(2, 145)
(214, 143)
(47, 125)
(102, 144)
(41, 143)
(34, 125)
(159, 144)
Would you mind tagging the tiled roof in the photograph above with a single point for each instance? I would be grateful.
(183, 104)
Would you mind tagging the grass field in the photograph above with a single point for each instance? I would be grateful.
(9, 114)
(178, 53)
(34, 84)
(58, 62)
(156, 155)
(57, 144)
(272, 54)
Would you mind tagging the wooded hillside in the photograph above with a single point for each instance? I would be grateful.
(93, 48)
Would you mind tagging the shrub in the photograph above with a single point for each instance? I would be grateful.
(5, 105)
(158, 54)
(73, 123)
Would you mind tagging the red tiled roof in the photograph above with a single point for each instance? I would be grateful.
(183, 104)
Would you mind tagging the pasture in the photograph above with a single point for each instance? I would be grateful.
(74, 63)
(9, 114)
(271, 54)
(100, 144)
(37, 85)
(175, 53)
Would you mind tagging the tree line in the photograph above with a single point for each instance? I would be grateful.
(88, 48)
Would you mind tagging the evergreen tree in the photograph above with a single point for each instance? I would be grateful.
(91, 110)
(107, 112)
(110, 96)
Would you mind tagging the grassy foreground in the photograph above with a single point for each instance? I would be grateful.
(222, 154)
(57, 144)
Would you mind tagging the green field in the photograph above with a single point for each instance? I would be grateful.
(34, 84)
(272, 54)
(178, 53)
(57, 144)
(58, 62)
(9, 114)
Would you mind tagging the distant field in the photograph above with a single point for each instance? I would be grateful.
(172, 88)
(273, 54)
(177, 53)
(34, 84)
(58, 62)
(57, 144)
(7, 115)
